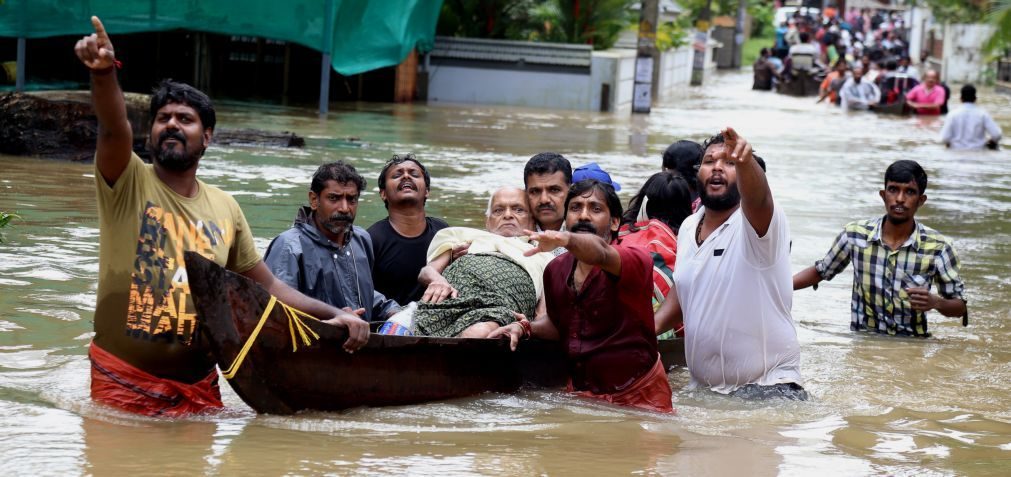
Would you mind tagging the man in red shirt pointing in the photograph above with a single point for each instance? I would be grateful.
(599, 305)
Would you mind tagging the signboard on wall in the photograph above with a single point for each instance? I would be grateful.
(642, 99)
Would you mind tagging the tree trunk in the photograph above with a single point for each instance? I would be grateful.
(62, 125)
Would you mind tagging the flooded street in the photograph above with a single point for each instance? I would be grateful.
(891, 406)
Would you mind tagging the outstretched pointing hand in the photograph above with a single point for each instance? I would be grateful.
(547, 240)
(95, 50)
(739, 149)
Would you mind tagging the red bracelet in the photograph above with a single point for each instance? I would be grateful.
(527, 330)
(116, 65)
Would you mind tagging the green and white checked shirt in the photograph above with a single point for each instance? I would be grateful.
(881, 275)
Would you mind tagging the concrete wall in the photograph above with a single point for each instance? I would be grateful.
(558, 89)
(475, 85)
(675, 70)
(963, 58)
(920, 21)
(616, 69)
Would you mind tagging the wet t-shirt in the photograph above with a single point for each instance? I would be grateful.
(736, 291)
(607, 326)
(400, 259)
(145, 313)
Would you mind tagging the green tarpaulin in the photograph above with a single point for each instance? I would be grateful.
(366, 34)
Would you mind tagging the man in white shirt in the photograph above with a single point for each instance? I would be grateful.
(906, 67)
(967, 127)
(804, 56)
(732, 280)
(857, 94)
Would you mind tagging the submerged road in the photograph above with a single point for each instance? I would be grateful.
(880, 405)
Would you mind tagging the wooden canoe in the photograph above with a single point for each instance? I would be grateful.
(804, 83)
(897, 108)
(389, 370)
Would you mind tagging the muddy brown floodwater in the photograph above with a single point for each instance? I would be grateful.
(938, 406)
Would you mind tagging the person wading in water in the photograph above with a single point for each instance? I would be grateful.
(147, 356)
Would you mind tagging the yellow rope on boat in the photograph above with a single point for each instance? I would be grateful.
(294, 323)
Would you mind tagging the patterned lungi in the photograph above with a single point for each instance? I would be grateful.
(490, 288)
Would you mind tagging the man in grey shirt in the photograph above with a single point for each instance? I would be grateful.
(324, 255)
(857, 94)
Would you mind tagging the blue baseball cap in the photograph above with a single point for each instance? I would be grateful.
(593, 171)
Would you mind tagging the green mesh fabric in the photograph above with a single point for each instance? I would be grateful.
(367, 34)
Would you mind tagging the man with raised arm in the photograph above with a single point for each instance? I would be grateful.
(148, 356)
(598, 299)
(733, 282)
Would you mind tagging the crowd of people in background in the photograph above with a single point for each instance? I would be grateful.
(862, 62)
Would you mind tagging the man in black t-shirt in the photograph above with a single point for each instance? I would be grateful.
(400, 241)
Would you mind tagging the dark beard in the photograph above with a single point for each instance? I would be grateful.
(171, 159)
(728, 200)
(339, 224)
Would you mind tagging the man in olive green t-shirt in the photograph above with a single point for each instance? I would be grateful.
(146, 355)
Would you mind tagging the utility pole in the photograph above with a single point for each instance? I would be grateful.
(646, 71)
(742, 11)
(701, 43)
(19, 76)
(324, 73)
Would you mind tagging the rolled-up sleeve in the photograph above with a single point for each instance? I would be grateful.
(949, 282)
(837, 258)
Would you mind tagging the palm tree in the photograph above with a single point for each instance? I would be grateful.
(1000, 18)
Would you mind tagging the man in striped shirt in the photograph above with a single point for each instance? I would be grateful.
(895, 261)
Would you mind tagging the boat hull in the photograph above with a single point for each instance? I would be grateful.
(389, 370)
(802, 84)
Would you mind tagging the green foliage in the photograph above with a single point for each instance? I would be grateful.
(994, 12)
(959, 11)
(671, 35)
(694, 7)
(5, 219)
(594, 22)
(764, 14)
(999, 44)
(753, 47)
(475, 18)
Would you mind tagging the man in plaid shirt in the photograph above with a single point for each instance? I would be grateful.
(895, 260)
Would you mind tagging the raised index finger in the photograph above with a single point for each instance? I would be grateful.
(729, 134)
(99, 28)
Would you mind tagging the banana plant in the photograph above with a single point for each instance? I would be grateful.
(6, 218)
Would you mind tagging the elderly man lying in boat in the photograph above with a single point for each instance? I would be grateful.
(473, 295)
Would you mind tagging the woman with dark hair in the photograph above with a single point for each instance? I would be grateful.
(683, 158)
(665, 196)
(651, 221)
